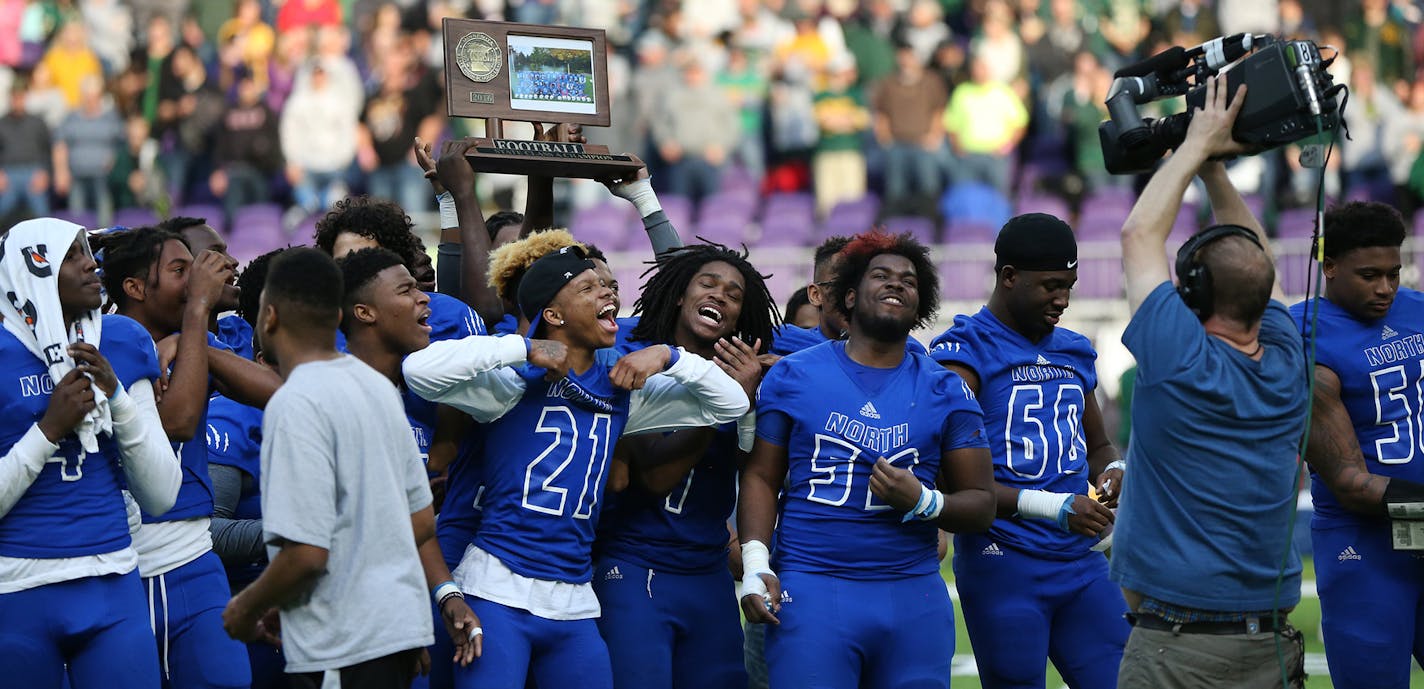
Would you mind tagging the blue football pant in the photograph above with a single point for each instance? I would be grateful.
(268, 665)
(849, 634)
(1371, 606)
(518, 644)
(97, 625)
(1022, 611)
(667, 630)
(193, 650)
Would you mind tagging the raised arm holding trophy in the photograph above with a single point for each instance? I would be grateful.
(503, 71)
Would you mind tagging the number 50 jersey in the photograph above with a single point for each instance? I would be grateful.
(836, 418)
(1381, 369)
(1033, 397)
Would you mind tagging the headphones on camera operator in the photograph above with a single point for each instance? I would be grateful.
(1194, 283)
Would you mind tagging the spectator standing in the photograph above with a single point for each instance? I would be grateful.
(838, 169)
(693, 133)
(1052, 55)
(924, 28)
(1384, 41)
(156, 51)
(391, 120)
(85, 147)
(1082, 110)
(44, 99)
(256, 40)
(135, 179)
(318, 132)
(24, 159)
(745, 85)
(248, 153)
(70, 60)
(985, 120)
(1372, 112)
(868, 37)
(111, 32)
(190, 111)
(907, 107)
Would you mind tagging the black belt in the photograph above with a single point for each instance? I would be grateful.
(1250, 625)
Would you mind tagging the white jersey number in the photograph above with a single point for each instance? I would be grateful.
(1037, 430)
(543, 491)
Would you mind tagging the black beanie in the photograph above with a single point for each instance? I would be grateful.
(1036, 242)
(545, 277)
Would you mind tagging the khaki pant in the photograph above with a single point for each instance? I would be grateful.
(1158, 659)
(838, 176)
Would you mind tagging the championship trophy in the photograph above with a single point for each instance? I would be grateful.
(526, 72)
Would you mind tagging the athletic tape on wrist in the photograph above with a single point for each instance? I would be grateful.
(1041, 504)
(1118, 464)
(642, 196)
(448, 216)
(756, 561)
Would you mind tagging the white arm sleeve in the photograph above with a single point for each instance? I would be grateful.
(154, 472)
(471, 374)
(22, 465)
(692, 394)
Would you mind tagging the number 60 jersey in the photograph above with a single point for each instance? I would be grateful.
(1381, 369)
(1033, 396)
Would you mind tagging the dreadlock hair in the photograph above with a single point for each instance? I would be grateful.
(358, 269)
(673, 271)
(129, 254)
(1361, 225)
(249, 285)
(181, 222)
(855, 261)
(501, 220)
(508, 263)
(375, 219)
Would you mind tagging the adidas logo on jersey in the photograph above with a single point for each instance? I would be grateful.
(613, 574)
(869, 412)
(1349, 554)
(1387, 333)
(1042, 361)
(992, 549)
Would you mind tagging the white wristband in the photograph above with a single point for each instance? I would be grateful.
(449, 218)
(1041, 504)
(443, 590)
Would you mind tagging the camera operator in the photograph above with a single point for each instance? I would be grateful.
(1217, 416)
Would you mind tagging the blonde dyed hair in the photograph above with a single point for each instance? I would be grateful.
(508, 263)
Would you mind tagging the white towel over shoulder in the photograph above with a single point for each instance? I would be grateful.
(30, 257)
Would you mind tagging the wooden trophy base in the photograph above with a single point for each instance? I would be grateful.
(548, 159)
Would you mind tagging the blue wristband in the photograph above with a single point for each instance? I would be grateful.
(672, 359)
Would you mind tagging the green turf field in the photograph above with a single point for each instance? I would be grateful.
(1306, 617)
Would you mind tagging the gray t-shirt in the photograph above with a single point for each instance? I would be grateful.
(341, 471)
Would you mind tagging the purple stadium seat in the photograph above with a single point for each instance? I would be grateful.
(922, 229)
(1115, 196)
(1041, 203)
(1186, 224)
(84, 219)
(213, 214)
(790, 227)
(850, 217)
(736, 179)
(1293, 273)
(1296, 222)
(1099, 278)
(606, 225)
(135, 217)
(967, 280)
(789, 203)
(679, 212)
(970, 233)
(783, 282)
(727, 204)
(726, 230)
(1100, 225)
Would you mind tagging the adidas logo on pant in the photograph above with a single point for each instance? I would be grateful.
(613, 574)
(1349, 554)
(992, 549)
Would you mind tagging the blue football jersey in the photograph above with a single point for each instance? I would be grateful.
(74, 507)
(459, 517)
(508, 325)
(236, 334)
(789, 339)
(195, 495)
(1033, 396)
(234, 436)
(625, 330)
(544, 467)
(684, 532)
(1381, 369)
(836, 418)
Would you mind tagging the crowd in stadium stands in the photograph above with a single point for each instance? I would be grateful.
(161, 103)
